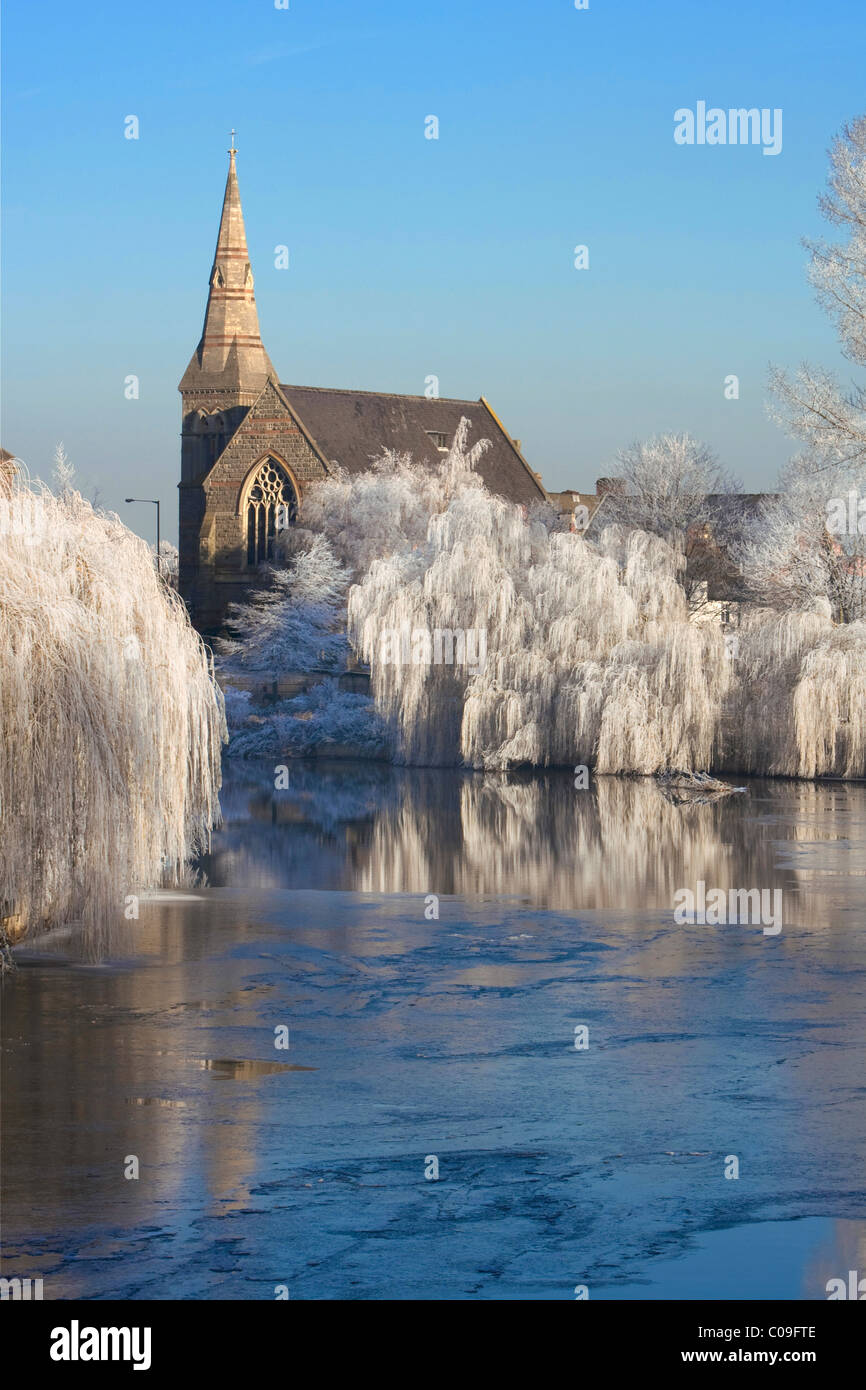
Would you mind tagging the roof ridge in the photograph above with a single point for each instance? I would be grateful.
(391, 395)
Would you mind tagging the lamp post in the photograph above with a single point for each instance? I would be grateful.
(155, 502)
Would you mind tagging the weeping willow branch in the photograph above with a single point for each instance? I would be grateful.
(112, 723)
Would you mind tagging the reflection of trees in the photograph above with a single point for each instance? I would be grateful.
(303, 836)
(113, 1066)
(844, 1250)
(110, 1062)
(619, 844)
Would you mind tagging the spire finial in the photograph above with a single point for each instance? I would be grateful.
(233, 150)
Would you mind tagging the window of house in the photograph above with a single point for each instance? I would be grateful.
(440, 440)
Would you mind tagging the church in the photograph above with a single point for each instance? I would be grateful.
(252, 445)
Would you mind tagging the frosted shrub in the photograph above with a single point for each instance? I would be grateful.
(295, 622)
(111, 719)
(322, 716)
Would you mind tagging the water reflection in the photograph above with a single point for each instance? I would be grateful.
(616, 845)
(453, 1036)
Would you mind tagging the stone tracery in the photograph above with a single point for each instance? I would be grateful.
(272, 504)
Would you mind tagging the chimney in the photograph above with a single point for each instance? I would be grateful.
(612, 485)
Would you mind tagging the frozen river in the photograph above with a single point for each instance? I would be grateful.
(418, 1042)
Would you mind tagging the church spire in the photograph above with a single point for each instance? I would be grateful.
(231, 354)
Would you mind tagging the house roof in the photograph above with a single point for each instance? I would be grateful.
(570, 498)
(727, 515)
(8, 469)
(624, 509)
(351, 428)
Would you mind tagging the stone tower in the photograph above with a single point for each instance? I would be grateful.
(225, 377)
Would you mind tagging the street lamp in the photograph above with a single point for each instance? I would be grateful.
(155, 501)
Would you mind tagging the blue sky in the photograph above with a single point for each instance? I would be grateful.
(409, 256)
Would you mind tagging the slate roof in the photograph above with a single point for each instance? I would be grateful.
(352, 428)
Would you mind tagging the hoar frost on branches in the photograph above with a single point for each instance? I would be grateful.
(112, 722)
(590, 654)
(293, 622)
(799, 549)
(296, 623)
(591, 657)
(831, 422)
(677, 489)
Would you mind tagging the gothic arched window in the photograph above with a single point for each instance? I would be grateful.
(272, 504)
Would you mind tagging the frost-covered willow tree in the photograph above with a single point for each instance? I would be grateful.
(588, 655)
(111, 723)
(497, 639)
(798, 705)
(169, 563)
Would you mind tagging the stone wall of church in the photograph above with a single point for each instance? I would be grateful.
(214, 539)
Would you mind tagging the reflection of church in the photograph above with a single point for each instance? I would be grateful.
(251, 446)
